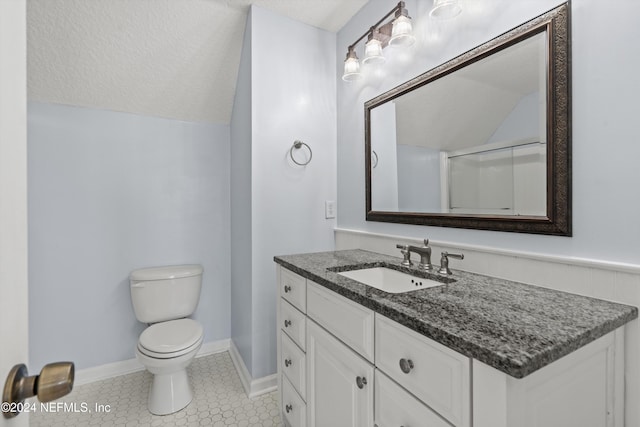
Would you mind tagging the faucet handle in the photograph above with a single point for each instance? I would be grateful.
(406, 253)
(456, 256)
(426, 242)
(444, 262)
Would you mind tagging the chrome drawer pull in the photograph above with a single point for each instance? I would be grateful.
(288, 408)
(406, 365)
(287, 289)
(288, 362)
(287, 323)
(361, 382)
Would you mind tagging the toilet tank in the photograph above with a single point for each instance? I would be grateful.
(159, 294)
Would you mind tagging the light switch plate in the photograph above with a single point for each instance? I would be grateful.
(329, 209)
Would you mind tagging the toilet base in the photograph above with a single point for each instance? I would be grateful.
(170, 390)
(169, 393)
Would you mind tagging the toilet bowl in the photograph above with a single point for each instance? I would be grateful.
(162, 297)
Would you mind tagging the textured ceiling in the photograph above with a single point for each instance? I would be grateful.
(166, 58)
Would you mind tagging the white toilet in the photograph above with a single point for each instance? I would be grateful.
(163, 297)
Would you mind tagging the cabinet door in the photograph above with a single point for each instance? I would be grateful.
(339, 382)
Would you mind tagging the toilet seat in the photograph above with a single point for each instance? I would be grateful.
(170, 339)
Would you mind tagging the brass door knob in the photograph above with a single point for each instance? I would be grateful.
(55, 380)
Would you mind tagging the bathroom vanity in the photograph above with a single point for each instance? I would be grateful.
(471, 351)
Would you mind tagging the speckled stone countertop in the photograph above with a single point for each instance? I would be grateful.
(514, 327)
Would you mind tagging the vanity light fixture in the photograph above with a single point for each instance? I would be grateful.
(445, 9)
(397, 31)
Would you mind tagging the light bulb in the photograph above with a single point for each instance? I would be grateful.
(401, 33)
(373, 52)
(445, 9)
(351, 67)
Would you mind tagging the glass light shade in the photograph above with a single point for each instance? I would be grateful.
(373, 52)
(445, 9)
(401, 32)
(351, 68)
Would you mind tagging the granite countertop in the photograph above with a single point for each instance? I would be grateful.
(513, 327)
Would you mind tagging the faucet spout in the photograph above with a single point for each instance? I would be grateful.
(425, 255)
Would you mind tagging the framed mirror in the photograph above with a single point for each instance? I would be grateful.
(482, 141)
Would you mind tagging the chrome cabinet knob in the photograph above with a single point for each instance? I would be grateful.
(361, 382)
(406, 365)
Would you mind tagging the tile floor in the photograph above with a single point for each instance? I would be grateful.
(219, 400)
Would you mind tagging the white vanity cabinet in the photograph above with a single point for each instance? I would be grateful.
(433, 373)
(340, 382)
(339, 350)
(323, 381)
(339, 360)
(583, 389)
(292, 335)
(341, 364)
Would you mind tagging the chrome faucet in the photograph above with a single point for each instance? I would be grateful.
(444, 262)
(424, 252)
(425, 255)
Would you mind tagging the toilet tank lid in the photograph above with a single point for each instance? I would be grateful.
(167, 272)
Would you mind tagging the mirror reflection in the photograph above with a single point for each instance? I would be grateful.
(470, 142)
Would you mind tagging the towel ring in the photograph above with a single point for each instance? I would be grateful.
(376, 162)
(298, 144)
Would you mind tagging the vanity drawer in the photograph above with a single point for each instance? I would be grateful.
(432, 372)
(348, 321)
(394, 406)
(294, 410)
(293, 288)
(293, 323)
(292, 363)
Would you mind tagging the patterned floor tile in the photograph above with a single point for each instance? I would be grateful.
(219, 400)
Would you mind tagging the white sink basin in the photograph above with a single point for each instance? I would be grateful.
(389, 280)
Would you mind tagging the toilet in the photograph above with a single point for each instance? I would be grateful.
(164, 297)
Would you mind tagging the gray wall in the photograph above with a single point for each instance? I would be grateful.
(241, 244)
(605, 137)
(292, 96)
(108, 193)
(519, 124)
(418, 179)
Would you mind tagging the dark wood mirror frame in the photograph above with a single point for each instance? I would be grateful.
(556, 23)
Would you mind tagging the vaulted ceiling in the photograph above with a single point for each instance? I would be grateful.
(167, 58)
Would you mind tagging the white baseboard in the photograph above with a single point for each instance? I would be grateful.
(123, 367)
(213, 347)
(252, 387)
(109, 370)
